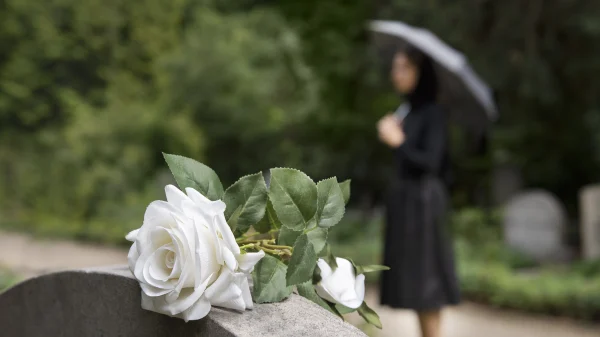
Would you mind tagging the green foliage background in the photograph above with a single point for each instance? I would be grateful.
(92, 92)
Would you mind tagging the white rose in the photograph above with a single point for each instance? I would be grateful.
(342, 285)
(186, 257)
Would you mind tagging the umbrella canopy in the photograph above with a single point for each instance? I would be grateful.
(465, 96)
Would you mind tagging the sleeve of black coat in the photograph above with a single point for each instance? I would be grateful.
(430, 156)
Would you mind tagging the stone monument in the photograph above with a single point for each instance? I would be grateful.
(106, 302)
(534, 224)
(589, 200)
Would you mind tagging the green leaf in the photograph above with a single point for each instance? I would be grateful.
(369, 315)
(302, 263)
(318, 238)
(237, 233)
(307, 290)
(367, 269)
(190, 173)
(269, 221)
(370, 269)
(287, 237)
(329, 258)
(345, 187)
(316, 278)
(330, 209)
(294, 197)
(233, 220)
(263, 226)
(269, 281)
(344, 310)
(247, 197)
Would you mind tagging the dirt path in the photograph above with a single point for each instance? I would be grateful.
(29, 257)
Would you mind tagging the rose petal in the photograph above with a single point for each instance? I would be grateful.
(174, 196)
(202, 219)
(147, 276)
(158, 214)
(176, 271)
(196, 212)
(359, 291)
(132, 235)
(227, 234)
(341, 286)
(158, 269)
(187, 298)
(325, 268)
(223, 289)
(184, 235)
(324, 293)
(159, 236)
(206, 262)
(249, 260)
(349, 298)
(154, 291)
(159, 210)
(218, 243)
(148, 247)
(199, 310)
(235, 300)
(132, 257)
(230, 260)
(208, 206)
(246, 295)
(234, 304)
(197, 197)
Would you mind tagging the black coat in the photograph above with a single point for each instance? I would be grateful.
(419, 253)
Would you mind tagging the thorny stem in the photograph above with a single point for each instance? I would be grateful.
(272, 251)
(268, 246)
(248, 241)
(250, 245)
(264, 242)
(245, 237)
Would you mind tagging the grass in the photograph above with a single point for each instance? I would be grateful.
(104, 231)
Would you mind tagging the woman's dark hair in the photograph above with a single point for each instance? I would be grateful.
(426, 90)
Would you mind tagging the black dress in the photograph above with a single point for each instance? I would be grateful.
(418, 251)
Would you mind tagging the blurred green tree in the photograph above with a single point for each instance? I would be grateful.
(80, 122)
(242, 78)
(94, 91)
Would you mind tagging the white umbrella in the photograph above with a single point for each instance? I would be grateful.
(467, 98)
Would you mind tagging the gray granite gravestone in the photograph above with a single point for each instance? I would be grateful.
(106, 302)
(589, 199)
(534, 224)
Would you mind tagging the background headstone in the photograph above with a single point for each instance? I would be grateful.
(589, 199)
(534, 224)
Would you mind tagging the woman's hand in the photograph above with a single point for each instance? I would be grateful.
(390, 131)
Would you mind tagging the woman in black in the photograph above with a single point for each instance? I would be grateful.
(422, 275)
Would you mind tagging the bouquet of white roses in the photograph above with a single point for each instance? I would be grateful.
(196, 249)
